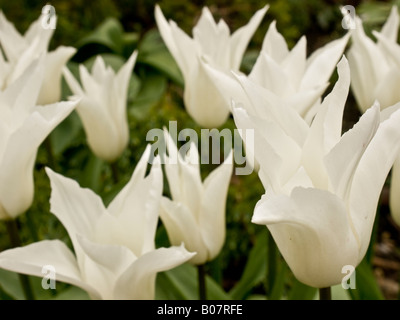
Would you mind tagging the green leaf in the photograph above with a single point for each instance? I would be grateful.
(300, 291)
(366, 286)
(10, 284)
(255, 269)
(339, 293)
(108, 34)
(152, 88)
(153, 52)
(181, 284)
(65, 134)
(72, 293)
(91, 175)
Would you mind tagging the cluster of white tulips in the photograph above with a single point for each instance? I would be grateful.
(322, 186)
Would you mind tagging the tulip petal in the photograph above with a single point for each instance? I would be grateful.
(322, 62)
(212, 211)
(394, 198)
(241, 38)
(77, 208)
(51, 87)
(294, 64)
(137, 205)
(311, 230)
(138, 282)
(326, 128)
(32, 258)
(16, 173)
(182, 227)
(274, 44)
(370, 176)
(341, 162)
(391, 27)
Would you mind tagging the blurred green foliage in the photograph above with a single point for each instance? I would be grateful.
(114, 29)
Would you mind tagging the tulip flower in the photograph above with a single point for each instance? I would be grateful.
(23, 127)
(295, 79)
(103, 106)
(115, 255)
(322, 187)
(224, 51)
(376, 75)
(21, 50)
(196, 213)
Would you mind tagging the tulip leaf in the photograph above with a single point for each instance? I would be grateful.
(9, 284)
(152, 88)
(153, 52)
(367, 287)
(109, 34)
(339, 293)
(181, 283)
(300, 291)
(255, 269)
(72, 293)
(65, 134)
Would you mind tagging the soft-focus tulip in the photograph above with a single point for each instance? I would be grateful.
(375, 69)
(297, 80)
(21, 50)
(196, 214)
(103, 108)
(23, 127)
(322, 187)
(115, 255)
(375, 66)
(222, 50)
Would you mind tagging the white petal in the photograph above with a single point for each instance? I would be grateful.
(16, 169)
(312, 232)
(77, 208)
(137, 205)
(32, 258)
(274, 44)
(322, 63)
(138, 282)
(394, 199)
(391, 27)
(182, 227)
(370, 176)
(212, 212)
(241, 37)
(341, 162)
(54, 62)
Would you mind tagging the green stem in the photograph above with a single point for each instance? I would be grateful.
(271, 263)
(325, 293)
(114, 171)
(31, 226)
(15, 240)
(50, 154)
(202, 282)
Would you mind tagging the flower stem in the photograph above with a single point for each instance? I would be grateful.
(271, 263)
(15, 240)
(325, 293)
(114, 171)
(202, 281)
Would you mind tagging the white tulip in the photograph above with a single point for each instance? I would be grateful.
(23, 127)
(221, 49)
(196, 214)
(21, 50)
(322, 187)
(115, 255)
(103, 108)
(375, 69)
